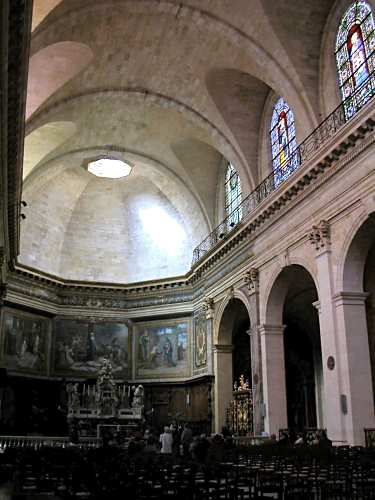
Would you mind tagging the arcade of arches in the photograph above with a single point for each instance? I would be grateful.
(239, 241)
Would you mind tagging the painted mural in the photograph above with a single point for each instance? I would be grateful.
(163, 349)
(200, 337)
(80, 347)
(25, 341)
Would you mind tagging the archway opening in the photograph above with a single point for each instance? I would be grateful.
(359, 278)
(369, 287)
(303, 355)
(292, 303)
(232, 357)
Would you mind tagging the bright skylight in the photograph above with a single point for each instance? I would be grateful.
(164, 231)
(109, 168)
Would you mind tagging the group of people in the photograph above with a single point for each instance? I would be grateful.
(180, 441)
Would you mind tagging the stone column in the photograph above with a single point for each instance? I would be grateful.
(357, 404)
(274, 386)
(223, 383)
(251, 279)
(332, 416)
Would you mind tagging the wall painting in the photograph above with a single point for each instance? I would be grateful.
(163, 349)
(80, 346)
(25, 341)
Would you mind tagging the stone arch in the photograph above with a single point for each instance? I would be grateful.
(231, 319)
(55, 65)
(292, 330)
(219, 140)
(230, 295)
(189, 14)
(269, 315)
(356, 249)
(239, 98)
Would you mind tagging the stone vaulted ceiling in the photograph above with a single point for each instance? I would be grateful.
(175, 88)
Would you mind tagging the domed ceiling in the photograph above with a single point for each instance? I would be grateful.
(169, 87)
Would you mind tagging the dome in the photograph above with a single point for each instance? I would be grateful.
(82, 227)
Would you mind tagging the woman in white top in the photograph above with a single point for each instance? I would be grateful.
(166, 440)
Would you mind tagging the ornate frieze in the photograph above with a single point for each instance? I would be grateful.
(251, 279)
(320, 235)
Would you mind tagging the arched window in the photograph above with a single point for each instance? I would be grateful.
(285, 158)
(233, 196)
(355, 56)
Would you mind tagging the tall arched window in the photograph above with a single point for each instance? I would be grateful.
(233, 196)
(285, 158)
(355, 56)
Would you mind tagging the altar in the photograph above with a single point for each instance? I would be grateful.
(107, 404)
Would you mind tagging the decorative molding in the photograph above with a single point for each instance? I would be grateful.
(208, 307)
(251, 279)
(320, 236)
(310, 178)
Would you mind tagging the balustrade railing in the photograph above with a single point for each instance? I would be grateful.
(328, 128)
(37, 442)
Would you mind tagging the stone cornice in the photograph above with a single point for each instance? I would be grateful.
(356, 138)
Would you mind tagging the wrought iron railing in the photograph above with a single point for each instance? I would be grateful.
(328, 128)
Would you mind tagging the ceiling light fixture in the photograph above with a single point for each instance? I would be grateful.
(109, 168)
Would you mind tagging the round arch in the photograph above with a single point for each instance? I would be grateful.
(231, 295)
(356, 249)
(271, 311)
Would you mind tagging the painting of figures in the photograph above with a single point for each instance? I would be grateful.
(163, 349)
(80, 347)
(25, 341)
(200, 329)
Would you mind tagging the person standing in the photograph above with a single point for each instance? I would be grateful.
(166, 441)
(186, 439)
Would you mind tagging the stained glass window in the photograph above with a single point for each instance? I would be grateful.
(233, 196)
(355, 57)
(285, 157)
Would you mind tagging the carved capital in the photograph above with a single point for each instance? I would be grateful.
(320, 236)
(251, 279)
(208, 307)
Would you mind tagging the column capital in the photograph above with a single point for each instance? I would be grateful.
(350, 298)
(317, 305)
(320, 236)
(223, 348)
(271, 329)
(208, 307)
(251, 280)
(252, 330)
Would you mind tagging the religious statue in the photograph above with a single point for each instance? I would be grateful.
(138, 397)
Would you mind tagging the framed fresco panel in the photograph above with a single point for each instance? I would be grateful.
(200, 340)
(162, 349)
(25, 342)
(80, 346)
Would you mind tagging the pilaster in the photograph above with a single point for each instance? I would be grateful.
(355, 366)
(251, 280)
(223, 380)
(320, 237)
(274, 385)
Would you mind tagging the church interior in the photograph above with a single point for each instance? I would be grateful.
(187, 245)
